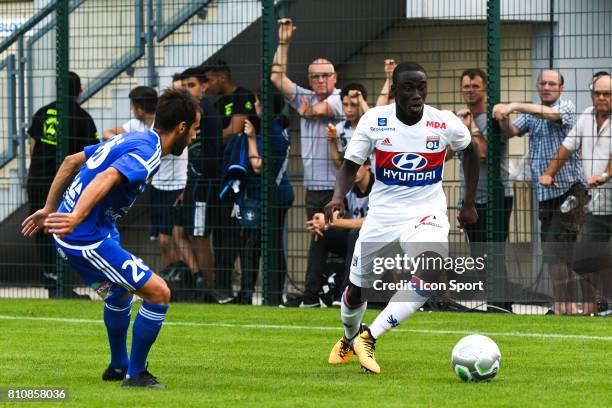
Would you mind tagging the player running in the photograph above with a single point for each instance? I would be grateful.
(99, 185)
(407, 203)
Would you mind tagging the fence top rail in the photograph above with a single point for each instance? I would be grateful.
(28, 25)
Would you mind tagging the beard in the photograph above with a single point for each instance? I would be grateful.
(180, 144)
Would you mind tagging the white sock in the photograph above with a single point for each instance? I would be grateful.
(351, 317)
(401, 305)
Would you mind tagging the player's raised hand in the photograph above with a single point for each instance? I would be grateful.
(285, 30)
(61, 224)
(34, 223)
(467, 216)
(332, 207)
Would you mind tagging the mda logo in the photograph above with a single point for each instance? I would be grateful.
(409, 161)
(382, 121)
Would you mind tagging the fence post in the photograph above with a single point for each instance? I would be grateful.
(268, 252)
(496, 275)
(21, 132)
(62, 48)
(152, 78)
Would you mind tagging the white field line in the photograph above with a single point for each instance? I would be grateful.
(322, 328)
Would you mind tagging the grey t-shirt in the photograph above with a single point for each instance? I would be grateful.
(319, 170)
(482, 189)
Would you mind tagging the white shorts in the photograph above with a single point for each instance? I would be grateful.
(381, 237)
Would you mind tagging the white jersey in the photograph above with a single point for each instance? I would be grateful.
(409, 159)
(172, 174)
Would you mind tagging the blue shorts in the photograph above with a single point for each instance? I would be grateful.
(105, 266)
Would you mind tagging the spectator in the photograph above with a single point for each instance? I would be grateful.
(44, 138)
(354, 105)
(317, 108)
(143, 101)
(234, 106)
(473, 89)
(283, 198)
(592, 137)
(339, 238)
(548, 124)
(386, 97)
(235, 103)
(595, 78)
(201, 192)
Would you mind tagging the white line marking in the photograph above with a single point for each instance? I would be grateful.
(322, 328)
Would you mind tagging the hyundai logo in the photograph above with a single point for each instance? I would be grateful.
(409, 161)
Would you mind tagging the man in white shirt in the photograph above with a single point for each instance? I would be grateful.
(592, 136)
(407, 204)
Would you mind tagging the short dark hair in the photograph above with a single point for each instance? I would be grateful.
(278, 105)
(473, 73)
(177, 76)
(144, 97)
(600, 73)
(175, 106)
(194, 72)
(74, 84)
(354, 87)
(407, 66)
(217, 66)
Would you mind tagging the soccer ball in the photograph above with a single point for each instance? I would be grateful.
(476, 358)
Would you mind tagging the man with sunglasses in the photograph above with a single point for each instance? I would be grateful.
(548, 124)
(317, 107)
(592, 137)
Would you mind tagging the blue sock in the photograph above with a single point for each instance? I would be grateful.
(147, 325)
(117, 320)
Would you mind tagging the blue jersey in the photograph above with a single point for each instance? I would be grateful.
(137, 156)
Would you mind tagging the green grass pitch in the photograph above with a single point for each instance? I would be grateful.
(234, 356)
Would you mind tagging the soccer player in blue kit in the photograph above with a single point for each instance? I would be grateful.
(91, 190)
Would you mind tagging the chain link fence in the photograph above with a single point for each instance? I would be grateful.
(183, 230)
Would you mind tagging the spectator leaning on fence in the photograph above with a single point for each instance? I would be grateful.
(592, 136)
(474, 92)
(354, 104)
(317, 108)
(548, 124)
(44, 137)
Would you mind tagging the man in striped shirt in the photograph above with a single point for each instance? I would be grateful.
(548, 124)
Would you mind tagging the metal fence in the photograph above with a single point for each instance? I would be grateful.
(117, 45)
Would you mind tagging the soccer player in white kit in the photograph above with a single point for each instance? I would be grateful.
(407, 203)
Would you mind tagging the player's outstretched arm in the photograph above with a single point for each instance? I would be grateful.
(62, 224)
(344, 182)
(63, 178)
(470, 162)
